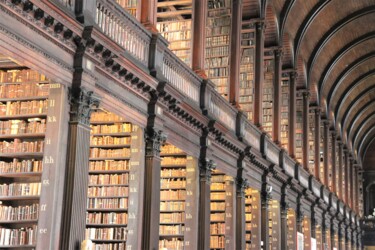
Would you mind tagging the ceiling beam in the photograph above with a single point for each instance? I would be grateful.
(361, 126)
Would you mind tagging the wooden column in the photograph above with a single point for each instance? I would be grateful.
(346, 172)
(341, 167)
(235, 56)
(333, 156)
(242, 185)
(265, 200)
(148, 14)
(259, 72)
(75, 191)
(199, 36)
(276, 134)
(325, 151)
(317, 144)
(205, 169)
(292, 114)
(305, 127)
(151, 208)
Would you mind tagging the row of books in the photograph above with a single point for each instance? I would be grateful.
(23, 90)
(217, 31)
(106, 153)
(108, 246)
(15, 127)
(217, 241)
(217, 228)
(109, 165)
(105, 117)
(20, 213)
(172, 217)
(172, 172)
(109, 203)
(220, 61)
(109, 179)
(177, 36)
(217, 186)
(217, 206)
(127, 3)
(247, 98)
(12, 76)
(110, 233)
(218, 13)
(217, 217)
(23, 108)
(180, 45)
(23, 166)
(174, 243)
(218, 72)
(20, 189)
(168, 183)
(109, 140)
(217, 52)
(173, 160)
(119, 191)
(173, 195)
(172, 206)
(19, 146)
(116, 128)
(215, 4)
(217, 40)
(18, 237)
(171, 230)
(175, 25)
(170, 149)
(107, 218)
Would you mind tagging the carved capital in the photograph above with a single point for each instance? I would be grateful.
(206, 167)
(279, 52)
(260, 25)
(154, 141)
(293, 75)
(82, 103)
(242, 185)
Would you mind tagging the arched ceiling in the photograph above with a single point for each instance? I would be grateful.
(331, 43)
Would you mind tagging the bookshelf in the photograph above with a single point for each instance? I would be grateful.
(299, 126)
(113, 180)
(284, 113)
(221, 218)
(292, 232)
(321, 155)
(23, 124)
(218, 36)
(174, 23)
(306, 230)
(312, 142)
(337, 166)
(131, 6)
(246, 95)
(328, 242)
(268, 95)
(274, 225)
(330, 159)
(252, 210)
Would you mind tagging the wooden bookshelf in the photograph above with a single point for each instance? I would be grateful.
(273, 225)
(23, 124)
(174, 23)
(284, 113)
(321, 155)
(318, 237)
(330, 159)
(268, 95)
(131, 6)
(312, 142)
(292, 229)
(113, 143)
(252, 199)
(218, 36)
(306, 230)
(246, 95)
(299, 127)
(337, 172)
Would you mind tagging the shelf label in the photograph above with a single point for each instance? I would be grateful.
(187, 243)
(133, 190)
(132, 177)
(130, 232)
(43, 230)
(51, 103)
(132, 216)
(134, 163)
(48, 141)
(43, 207)
(51, 118)
(128, 247)
(46, 182)
(48, 160)
(189, 217)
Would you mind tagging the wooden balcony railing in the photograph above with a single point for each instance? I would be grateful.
(124, 29)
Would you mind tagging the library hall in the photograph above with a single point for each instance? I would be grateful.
(187, 124)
